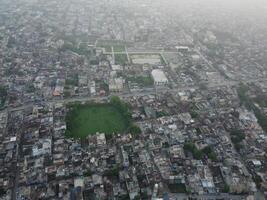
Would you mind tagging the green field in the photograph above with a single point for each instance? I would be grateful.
(119, 48)
(143, 81)
(118, 45)
(84, 120)
(111, 42)
(121, 59)
(3, 96)
(107, 48)
(116, 48)
(147, 58)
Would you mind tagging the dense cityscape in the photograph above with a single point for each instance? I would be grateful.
(133, 99)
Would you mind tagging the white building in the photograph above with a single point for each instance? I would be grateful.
(116, 84)
(116, 67)
(182, 48)
(42, 147)
(101, 139)
(159, 77)
(92, 88)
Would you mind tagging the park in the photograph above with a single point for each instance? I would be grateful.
(90, 118)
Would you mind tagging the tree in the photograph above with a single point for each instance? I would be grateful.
(88, 173)
(108, 136)
(2, 192)
(122, 107)
(30, 88)
(226, 188)
(241, 91)
(134, 129)
(194, 114)
(160, 114)
(137, 197)
(237, 136)
(3, 92)
(66, 93)
(11, 42)
(212, 156)
(198, 154)
(114, 172)
(190, 147)
(115, 100)
(210, 153)
(257, 180)
(3, 95)
(207, 150)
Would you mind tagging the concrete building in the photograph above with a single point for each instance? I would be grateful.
(183, 49)
(159, 77)
(116, 84)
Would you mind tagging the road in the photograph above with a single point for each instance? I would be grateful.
(16, 181)
(93, 98)
(15, 189)
(223, 196)
(143, 52)
(227, 83)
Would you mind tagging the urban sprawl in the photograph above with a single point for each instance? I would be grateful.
(131, 100)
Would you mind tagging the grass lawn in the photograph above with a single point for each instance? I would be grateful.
(84, 120)
(149, 58)
(107, 48)
(111, 42)
(119, 48)
(177, 188)
(118, 45)
(121, 59)
(144, 81)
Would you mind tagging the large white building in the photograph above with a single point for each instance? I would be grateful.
(159, 77)
(116, 84)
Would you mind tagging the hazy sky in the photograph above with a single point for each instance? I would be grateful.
(247, 4)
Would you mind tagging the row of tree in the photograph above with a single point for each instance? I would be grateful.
(125, 110)
(200, 154)
(3, 95)
(237, 136)
(250, 105)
